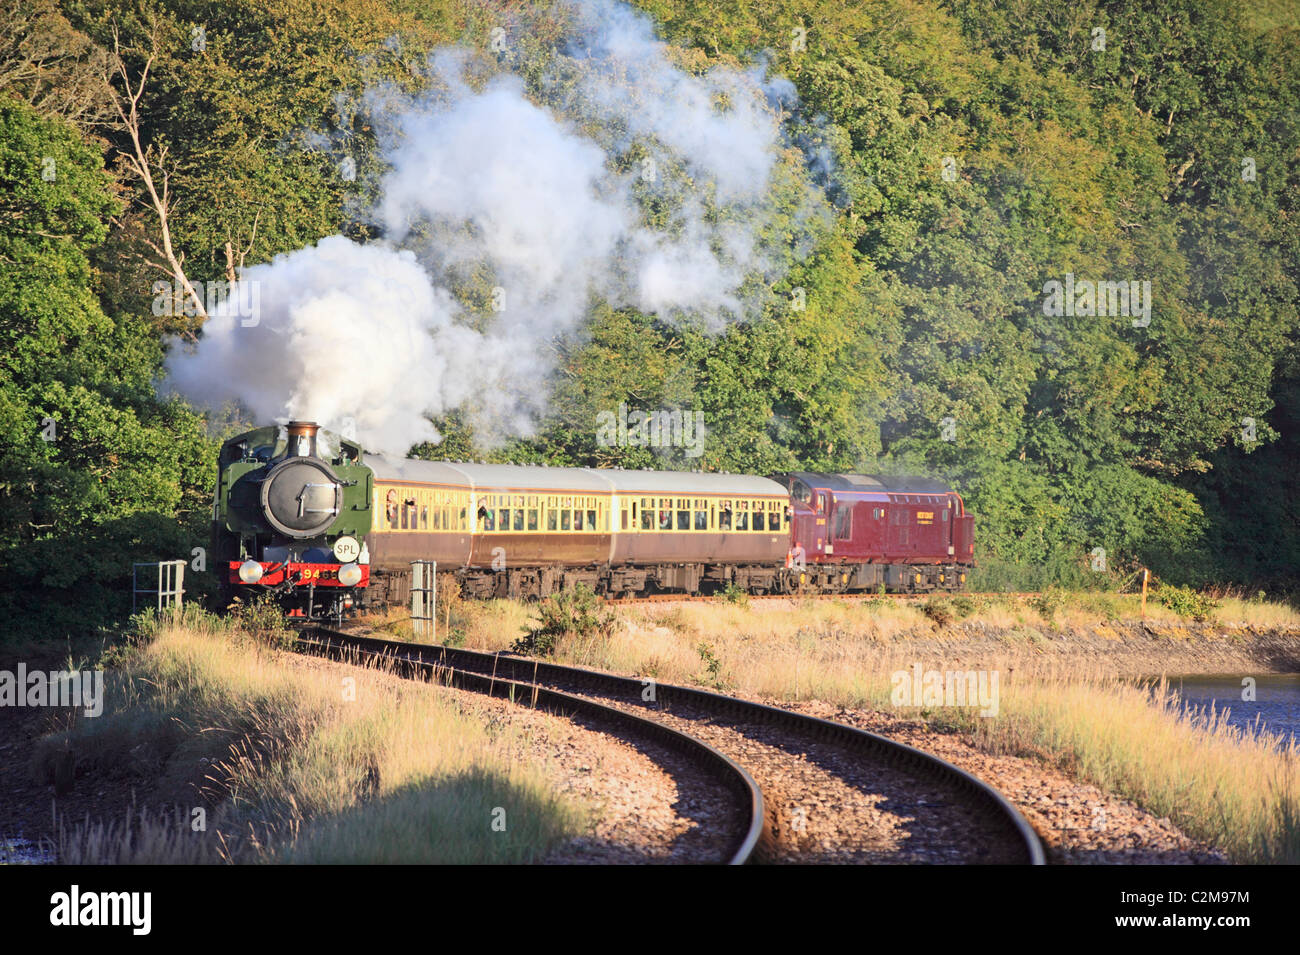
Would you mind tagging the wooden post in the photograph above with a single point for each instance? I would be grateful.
(1146, 575)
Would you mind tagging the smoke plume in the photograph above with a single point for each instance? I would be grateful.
(507, 206)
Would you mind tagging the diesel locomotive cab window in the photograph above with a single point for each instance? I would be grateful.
(802, 492)
(843, 521)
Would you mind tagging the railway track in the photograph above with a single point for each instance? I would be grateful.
(829, 792)
(722, 777)
(856, 598)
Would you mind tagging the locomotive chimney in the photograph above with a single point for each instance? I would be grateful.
(302, 438)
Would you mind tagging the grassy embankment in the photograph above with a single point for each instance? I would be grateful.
(295, 765)
(1236, 790)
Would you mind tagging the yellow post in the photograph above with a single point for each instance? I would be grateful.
(1146, 575)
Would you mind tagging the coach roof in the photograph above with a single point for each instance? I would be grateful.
(578, 480)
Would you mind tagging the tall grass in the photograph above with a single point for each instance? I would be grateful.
(294, 763)
(1232, 789)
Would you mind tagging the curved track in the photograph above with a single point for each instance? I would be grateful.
(999, 821)
(415, 661)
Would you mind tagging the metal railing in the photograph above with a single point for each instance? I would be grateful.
(171, 585)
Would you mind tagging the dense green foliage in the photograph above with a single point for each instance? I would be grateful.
(981, 149)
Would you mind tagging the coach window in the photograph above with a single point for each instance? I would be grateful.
(774, 516)
(566, 520)
(742, 515)
(843, 521)
(424, 517)
(624, 519)
(532, 518)
(390, 506)
(519, 518)
(701, 516)
(577, 520)
(724, 515)
(647, 514)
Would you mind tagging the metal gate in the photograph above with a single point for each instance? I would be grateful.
(424, 594)
(171, 585)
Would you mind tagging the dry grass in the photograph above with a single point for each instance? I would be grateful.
(298, 765)
(1229, 788)
(1234, 788)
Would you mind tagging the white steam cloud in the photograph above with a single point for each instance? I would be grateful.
(534, 200)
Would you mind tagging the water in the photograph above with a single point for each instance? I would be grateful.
(1276, 705)
(21, 852)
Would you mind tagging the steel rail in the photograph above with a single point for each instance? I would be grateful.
(410, 659)
(891, 752)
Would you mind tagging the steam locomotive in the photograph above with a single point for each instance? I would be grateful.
(312, 518)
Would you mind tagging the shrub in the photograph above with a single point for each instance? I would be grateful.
(712, 666)
(1187, 602)
(736, 595)
(939, 609)
(1049, 602)
(577, 612)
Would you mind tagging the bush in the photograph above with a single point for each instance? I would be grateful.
(1049, 602)
(939, 609)
(944, 610)
(712, 667)
(736, 595)
(1187, 602)
(263, 621)
(577, 613)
